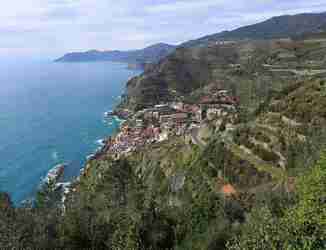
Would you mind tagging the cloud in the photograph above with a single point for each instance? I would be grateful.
(54, 27)
(183, 6)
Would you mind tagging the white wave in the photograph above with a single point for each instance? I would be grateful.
(55, 173)
(90, 157)
(63, 185)
(107, 113)
(100, 142)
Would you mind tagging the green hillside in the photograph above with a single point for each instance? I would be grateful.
(273, 28)
(251, 69)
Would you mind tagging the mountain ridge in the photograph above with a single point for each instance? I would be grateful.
(150, 54)
(284, 26)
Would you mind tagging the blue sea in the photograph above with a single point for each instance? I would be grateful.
(52, 113)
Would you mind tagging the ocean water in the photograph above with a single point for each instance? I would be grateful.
(52, 113)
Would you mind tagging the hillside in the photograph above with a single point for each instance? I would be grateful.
(149, 54)
(179, 195)
(276, 27)
(249, 68)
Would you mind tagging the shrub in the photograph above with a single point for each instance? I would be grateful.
(301, 226)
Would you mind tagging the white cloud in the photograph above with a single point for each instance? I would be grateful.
(184, 6)
(54, 27)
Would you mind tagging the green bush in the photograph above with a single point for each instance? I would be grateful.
(302, 226)
(265, 154)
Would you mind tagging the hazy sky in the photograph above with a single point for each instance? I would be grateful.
(53, 27)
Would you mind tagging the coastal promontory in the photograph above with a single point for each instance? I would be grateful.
(149, 54)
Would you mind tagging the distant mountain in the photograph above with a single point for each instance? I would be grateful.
(149, 54)
(276, 27)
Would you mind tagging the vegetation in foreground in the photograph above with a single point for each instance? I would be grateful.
(135, 204)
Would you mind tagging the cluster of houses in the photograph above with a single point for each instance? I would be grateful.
(225, 42)
(158, 123)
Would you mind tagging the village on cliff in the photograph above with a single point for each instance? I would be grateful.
(162, 121)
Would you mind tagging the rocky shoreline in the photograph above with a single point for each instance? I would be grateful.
(54, 176)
